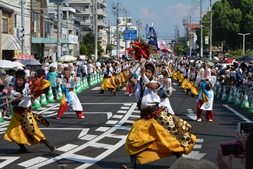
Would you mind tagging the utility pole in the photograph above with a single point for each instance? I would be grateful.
(117, 27)
(58, 30)
(23, 24)
(210, 31)
(126, 29)
(201, 31)
(96, 31)
(243, 41)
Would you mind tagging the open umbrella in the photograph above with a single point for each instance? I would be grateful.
(24, 57)
(30, 62)
(6, 64)
(19, 65)
(67, 58)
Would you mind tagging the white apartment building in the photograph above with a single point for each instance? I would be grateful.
(124, 23)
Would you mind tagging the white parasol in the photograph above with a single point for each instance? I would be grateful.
(6, 64)
(67, 58)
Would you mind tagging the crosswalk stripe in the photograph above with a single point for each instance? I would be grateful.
(102, 129)
(67, 147)
(32, 161)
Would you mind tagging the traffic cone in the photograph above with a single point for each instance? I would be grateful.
(43, 100)
(231, 95)
(219, 91)
(245, 102)
(50, 96)
(1, 116)
(79, 89)
(86, 83)
(36, 103)
(238, 98)
(224, 94)
(251, 107)
(59, 92)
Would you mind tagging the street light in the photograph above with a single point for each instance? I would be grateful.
(243, 41)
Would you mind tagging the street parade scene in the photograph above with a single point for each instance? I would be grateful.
(125, 96)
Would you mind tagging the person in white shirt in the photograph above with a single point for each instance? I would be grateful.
(84, 69)
(69, 97)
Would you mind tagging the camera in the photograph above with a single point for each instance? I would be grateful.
(247, 127)
(231, 148)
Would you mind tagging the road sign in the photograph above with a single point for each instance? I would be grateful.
(130, 35)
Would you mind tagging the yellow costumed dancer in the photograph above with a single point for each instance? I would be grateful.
(155, 134)
(23, 128)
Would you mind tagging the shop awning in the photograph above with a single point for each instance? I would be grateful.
(10, 42)
(48, 40)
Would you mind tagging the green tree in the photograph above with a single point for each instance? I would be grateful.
(109, 48)
(180, 49)
(83, 50)
(88, 41)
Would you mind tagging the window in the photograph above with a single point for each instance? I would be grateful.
(4, 25)
(47, 27)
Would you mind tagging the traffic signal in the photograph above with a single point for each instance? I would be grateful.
(20, 32)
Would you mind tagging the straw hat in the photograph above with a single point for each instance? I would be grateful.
(184, 163)
(210, 64)
(251, 63)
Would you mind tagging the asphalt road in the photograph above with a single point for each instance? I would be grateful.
(97, 142)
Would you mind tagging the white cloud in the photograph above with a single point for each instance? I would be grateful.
(180, 10)
(144, 14)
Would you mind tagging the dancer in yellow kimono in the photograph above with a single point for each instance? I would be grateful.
(23, 128)
(151, 137)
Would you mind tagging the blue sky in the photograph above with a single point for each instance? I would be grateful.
(166, 14)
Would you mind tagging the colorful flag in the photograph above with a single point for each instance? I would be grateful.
(151, 36)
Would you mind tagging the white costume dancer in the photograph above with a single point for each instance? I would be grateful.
(165, 90)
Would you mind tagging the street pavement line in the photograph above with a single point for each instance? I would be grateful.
(96, 88)
(237, 113)
(32, 161)
(66, 147)
(7, 161)
(88, 161)
(110, 103)
(102, 129)
(191, 114)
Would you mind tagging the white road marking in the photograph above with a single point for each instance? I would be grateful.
(117, 116)
(111, 122)
(109, 103)
(191, 115)
(195, 155)
(237, 113)
(173, 89)
(197, 146)
(129, 121)
(124, 108)
(127, 104)
(33, 161)
(7, 161)
(67, 147)
(88, 161)
(83, 132)
(199, 140)
(120, 111)
(109, 114)
(88, 137)
(96, 88)
(134, 116)
(102, 129)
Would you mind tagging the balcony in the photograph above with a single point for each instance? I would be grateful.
(85, 23)
(83, 12)
(101, 23)
(101, 12)
(102, 3)
(80, 1)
